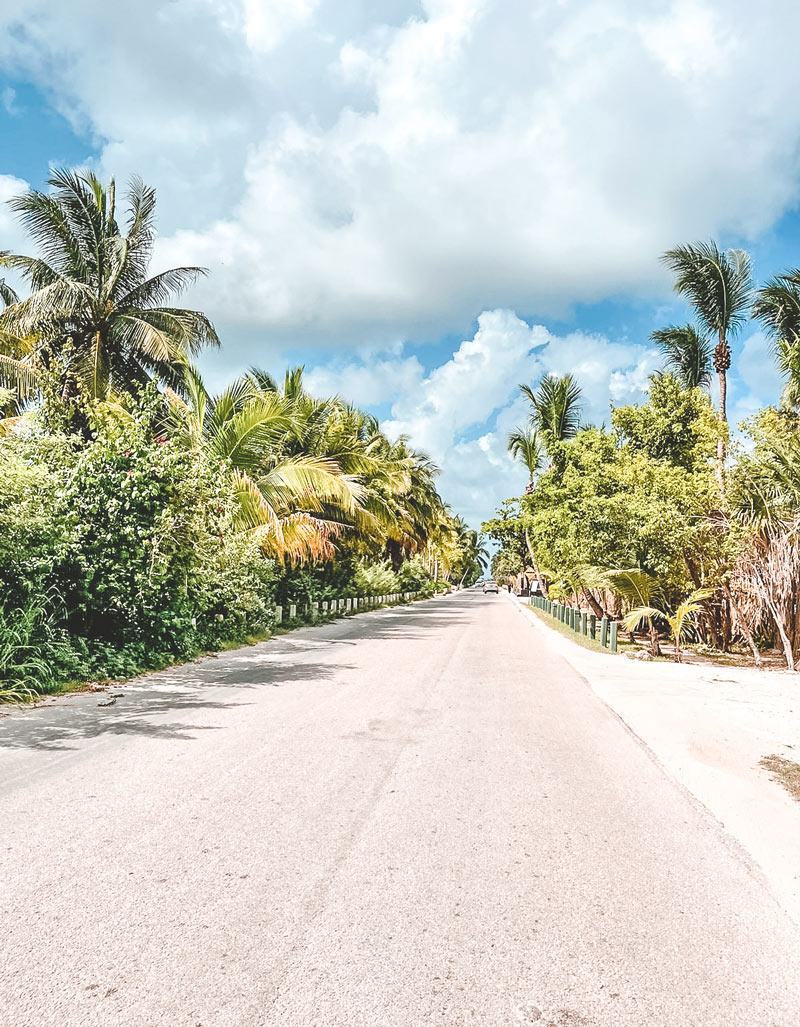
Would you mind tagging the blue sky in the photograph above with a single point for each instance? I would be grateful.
(426, 202)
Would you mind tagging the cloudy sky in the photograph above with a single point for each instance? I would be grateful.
(428, 202)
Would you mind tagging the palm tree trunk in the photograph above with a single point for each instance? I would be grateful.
(655, 648)
(533, 559)
(597, 609)
(722, 361)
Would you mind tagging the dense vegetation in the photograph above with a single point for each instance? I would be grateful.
(661, 518)
(143, 519)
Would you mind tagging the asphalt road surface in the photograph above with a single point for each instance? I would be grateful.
(417, 816)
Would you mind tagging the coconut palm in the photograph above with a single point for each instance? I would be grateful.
(296, 504)
(93, 316)
(688, 354)
(777, 306)
(401, 504)
(638, 591)
(718, 285)
(678, 620)
(525, 445)
(556, 407)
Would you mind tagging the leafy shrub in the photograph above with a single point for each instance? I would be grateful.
(375, 579)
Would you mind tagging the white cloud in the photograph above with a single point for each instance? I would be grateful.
(462, 410)
(8, 97)
(367, 384)
(361, 174)
(760, 381)
(355, 171)
(12, 237)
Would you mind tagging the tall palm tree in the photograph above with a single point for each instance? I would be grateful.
(525, 445)
(688, 354)
(777, 305)
(556, 407)
(93, 313)
(718, 285)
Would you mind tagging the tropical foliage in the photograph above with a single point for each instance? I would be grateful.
(653, 520)
(144, 517)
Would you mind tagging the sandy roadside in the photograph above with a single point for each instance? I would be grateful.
(709, 727)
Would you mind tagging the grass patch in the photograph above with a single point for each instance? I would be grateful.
(586, 641)
(785, 772)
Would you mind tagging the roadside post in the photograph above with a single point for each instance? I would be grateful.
(612, 642)
(604, 632)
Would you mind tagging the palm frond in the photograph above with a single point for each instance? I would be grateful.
(688, 354)
(717, 283)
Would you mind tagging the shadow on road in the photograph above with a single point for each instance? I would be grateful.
(147, 702)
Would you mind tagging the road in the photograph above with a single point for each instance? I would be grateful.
(412, 817)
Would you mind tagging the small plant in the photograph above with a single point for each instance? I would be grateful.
(24, 673)
(678, 621)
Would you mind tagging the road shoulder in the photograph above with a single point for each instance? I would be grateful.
(709, 728)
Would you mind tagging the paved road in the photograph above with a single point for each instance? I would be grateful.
(412, 817)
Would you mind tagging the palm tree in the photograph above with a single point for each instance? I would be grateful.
(638, 591)
(718, 285)
(296, 504)
(525, 445)
(556, 407)
(688, 354)
(93, 316)
(400, 504)
(678, 620)
(777, 305)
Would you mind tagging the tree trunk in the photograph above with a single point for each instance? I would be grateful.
(742, 624)
(786, 642)
(533, 559)
(707, 619)
(655, 648)
(597, 609)
(722, 361)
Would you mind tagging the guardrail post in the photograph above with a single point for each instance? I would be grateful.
(592, 626)
(583, 622)
(292, 611)
(604, 632)
(612, 642)
(314, 611)
(278, 614)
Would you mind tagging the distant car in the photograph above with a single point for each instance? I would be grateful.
(490, 586)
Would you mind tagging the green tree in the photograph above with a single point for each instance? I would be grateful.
(718, 285)
(525, 445)
(93, 313)
(675, 424)
(555, 407)
(777, 306)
